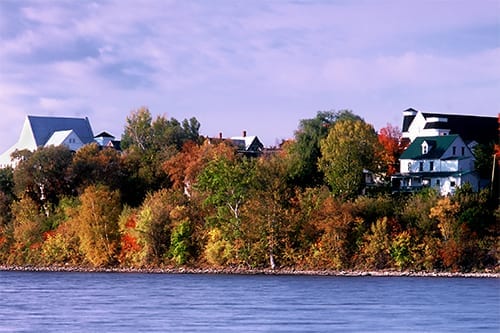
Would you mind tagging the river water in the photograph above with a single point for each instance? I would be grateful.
(130, 302)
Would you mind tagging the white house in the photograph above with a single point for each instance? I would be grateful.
(441, 162)
(39, 131)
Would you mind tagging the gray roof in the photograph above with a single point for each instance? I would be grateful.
(44, 127)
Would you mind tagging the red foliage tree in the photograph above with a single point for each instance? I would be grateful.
(390, 139)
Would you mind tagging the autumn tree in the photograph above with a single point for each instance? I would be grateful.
(97, 222)
(28, 227)
(154, 224)
(265, 213)
(92, 165)
(338, 234)
(350, 147)
(151, 142)
(184, 168)
(61, 242)
(390, 140)
(43, 175)
(377, 245)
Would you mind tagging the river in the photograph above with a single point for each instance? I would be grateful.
(133, 302)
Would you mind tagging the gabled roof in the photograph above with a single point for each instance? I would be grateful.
(58, 138)
(44, 127)
(477, 128)
(104, 134)
(438, 144)
(246, 142)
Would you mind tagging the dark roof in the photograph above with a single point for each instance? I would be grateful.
(116, 144)
(44, 127)
(407, 120)
(104, 135)
(439, 144)
(437, 125)
(477, 128)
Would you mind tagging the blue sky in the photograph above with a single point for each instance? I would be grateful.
(259, 66)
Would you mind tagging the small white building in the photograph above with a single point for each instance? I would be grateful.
(441, 162)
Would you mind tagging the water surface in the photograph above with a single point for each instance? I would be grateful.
(129, 302)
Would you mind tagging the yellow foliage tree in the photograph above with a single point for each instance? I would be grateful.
(445, 213)
(97, 222)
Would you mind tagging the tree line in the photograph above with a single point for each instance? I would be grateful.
(172, 198)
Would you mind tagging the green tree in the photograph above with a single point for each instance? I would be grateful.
(305, 151)
(154, 224)
(6, 194)
(265, 213)
(401, 250)
(350, 147)
(149, 143)
(484, 159)
(414, 210)
(180, 242)
(97, 223)
(225, 185)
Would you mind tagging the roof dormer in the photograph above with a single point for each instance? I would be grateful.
(427, 146)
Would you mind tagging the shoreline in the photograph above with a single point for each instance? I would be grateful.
(242, 271)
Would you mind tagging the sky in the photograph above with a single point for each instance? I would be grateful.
(256, 65)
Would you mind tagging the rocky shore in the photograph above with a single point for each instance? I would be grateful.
(244, 271)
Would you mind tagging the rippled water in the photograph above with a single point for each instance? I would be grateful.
(126, 302)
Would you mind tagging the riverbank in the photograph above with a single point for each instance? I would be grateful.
(242, 271)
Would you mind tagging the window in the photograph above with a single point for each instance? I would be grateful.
(452, 183)
(409, 166)
(431, 166)
(438, 182)
(463, 151)
(421, 167)
(454, 150)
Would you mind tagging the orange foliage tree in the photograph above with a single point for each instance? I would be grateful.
(390, 138)
(184, 167)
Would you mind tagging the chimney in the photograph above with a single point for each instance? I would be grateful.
(220, 135)
(244, 134)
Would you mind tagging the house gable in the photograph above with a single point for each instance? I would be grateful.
(67, 138)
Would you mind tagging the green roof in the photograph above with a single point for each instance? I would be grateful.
(438, 146)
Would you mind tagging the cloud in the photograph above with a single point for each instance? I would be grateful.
(278, 61)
